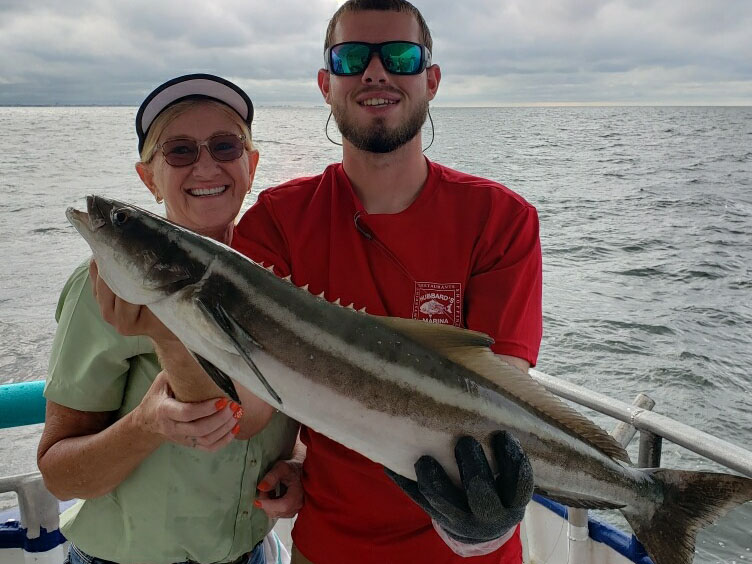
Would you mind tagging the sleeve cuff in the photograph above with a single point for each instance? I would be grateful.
(467, 550)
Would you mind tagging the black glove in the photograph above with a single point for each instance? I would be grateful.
(488, 507)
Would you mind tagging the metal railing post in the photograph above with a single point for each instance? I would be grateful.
(578, 518)
(650, 450)
(578, 535)
(39, 509)
(624, 432)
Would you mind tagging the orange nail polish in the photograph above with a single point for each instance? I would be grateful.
(234, 407)
(239, 413)
(257, 503)
(220, 404)
(235, 429)
(264, 486)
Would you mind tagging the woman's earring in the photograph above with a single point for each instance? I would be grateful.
(158, 198)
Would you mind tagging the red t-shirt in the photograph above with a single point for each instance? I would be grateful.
(466, 252)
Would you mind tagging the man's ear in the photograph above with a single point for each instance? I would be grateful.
(325, 84)
(433, 77)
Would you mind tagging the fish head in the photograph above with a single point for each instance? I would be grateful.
(141, 256)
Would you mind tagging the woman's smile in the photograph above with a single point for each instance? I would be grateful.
(204, 192)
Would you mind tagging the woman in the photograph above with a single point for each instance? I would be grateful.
(161, 481)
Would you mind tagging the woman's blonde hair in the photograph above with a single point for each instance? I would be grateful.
(165, 118)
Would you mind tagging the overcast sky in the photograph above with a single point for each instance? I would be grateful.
(491, 52)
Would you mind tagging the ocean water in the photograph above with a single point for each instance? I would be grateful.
(646, 228)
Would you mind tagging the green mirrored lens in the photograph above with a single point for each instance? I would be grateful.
(401, 58)
(350, 58)
(397, 57)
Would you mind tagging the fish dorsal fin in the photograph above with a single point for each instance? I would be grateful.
(471, 350)
(435, 336)
(513, 382)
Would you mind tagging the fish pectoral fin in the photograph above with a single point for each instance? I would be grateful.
(226, 323)
(240, 338)
(221, 379)
(579, 502)
(163, 274)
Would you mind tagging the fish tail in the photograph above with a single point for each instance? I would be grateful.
(690, 501)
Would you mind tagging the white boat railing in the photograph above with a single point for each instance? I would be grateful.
(645, 421)
(23, 405)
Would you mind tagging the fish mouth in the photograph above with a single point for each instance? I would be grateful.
(81, 221)
(76, 217)
(87, 222)
(96, 215)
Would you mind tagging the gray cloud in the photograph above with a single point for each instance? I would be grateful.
(588, 51)
(490, 52)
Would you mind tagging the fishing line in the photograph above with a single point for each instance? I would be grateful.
(553, 550)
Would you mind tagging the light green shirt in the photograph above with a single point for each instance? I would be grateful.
(179, 503)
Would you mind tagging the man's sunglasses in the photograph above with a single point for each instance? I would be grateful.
(398, 57)
(184, 151)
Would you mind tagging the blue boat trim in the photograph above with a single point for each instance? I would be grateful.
(626, 545)
(13, 536)
(13, 514)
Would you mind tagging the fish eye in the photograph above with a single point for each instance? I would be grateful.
(119, 217)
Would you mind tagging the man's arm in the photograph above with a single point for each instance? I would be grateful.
(482, 515)
(520, 363)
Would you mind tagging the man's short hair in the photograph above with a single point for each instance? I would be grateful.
(383, 5)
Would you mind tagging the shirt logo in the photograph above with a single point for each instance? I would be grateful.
(438, 303)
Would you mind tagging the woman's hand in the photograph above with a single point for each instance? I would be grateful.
(88, 454)
(187, 379)
(208, 425)
(125, 317)
(280, 491)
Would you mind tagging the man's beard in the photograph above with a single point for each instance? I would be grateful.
(377, 138)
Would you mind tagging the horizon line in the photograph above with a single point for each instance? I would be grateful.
(558, 104)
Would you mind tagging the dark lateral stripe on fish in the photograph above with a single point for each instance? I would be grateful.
(420, 341)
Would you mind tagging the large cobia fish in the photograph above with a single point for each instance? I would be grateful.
(391, 389)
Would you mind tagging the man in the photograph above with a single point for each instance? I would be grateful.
(401, 236)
